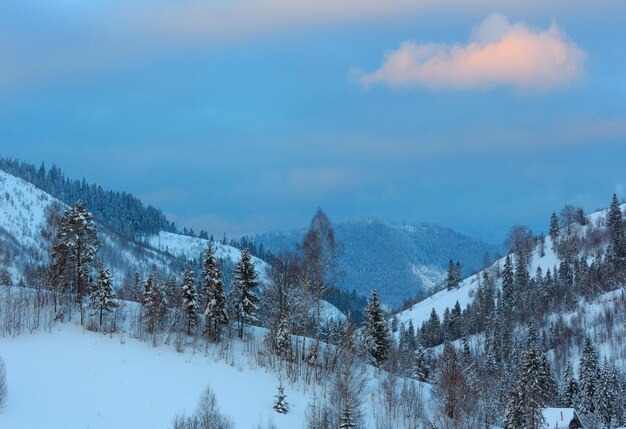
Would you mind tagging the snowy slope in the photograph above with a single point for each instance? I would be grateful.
(23, 209)
(194, 247)
(100, 383)
(420, 312)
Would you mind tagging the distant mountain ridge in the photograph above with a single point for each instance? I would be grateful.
(397, 260)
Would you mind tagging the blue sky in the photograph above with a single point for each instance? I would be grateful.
(244, 116)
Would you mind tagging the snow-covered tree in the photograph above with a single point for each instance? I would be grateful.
(74, 252)
(102, 297)
(420, 369)
(554, 228)
(189, 302)
(589, 375)
(569, 393)
(347, 421)
(215, 312)
(280, 400)
(153, 303)
(377, 334)
(245, 280)
(617, 239)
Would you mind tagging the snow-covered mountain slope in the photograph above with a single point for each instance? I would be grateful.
(23, 212)
(193, 247)
(397, 260)
(421, 311)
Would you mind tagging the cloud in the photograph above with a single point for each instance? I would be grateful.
(498, 54)
(50, 40)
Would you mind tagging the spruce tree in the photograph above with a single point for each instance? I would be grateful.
(554, 228)
(617, 240)
(102, 297)
(215, 312)
(280, 402)
(74, 251)
(189, 301)
(458, 274)
(514, 416)
(451, 277)
(153, 303)
(378, 337)
(569, 394)
(245, 280)
(588, 378)
(421, 370)
(347, 421)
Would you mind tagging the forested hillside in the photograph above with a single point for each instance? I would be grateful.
(398, 261)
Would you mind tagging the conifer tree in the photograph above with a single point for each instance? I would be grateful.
(588, 378)
(458, 274)
(451, 277)
(102, 297)
(514, 417)
(74, 251)
(283, 340)
(215, 312)
(245, 280)
(532, 389)
(606, 396)
(153, 303)
(421, 370)
(554, 228)
(347, 421)
(378, 337)
(617, 240)
(569, 394)
(189, 301)
(280, 402)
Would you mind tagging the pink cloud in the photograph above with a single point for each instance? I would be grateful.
(498, 54)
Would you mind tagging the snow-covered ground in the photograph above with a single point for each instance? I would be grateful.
(70, 378)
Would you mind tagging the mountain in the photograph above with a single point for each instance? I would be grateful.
(23, 215)
(398, 261)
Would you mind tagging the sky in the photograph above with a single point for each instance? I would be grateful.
(244, 116)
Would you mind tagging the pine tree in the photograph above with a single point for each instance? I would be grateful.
(215, 312)
(280, 402)
(245, 280)
(554, 228)
(532, 390)
(569, 394)
(421, 371)
(514, 416)
(588, 378)
(458, 274)
(451, 277)
(347, 421)
(378, 337)
(189, 301)
(617, 240)
(282, 340)
(74, 251)
(102, 297)
(153, 303)
(606, 396)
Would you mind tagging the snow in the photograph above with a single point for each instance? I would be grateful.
(72, 378)
(558, 418)
(194, 247)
